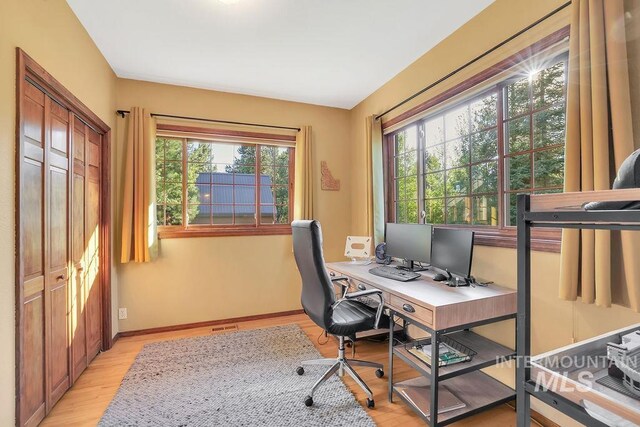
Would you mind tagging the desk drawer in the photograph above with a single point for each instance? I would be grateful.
(411, 310)
(357, 285)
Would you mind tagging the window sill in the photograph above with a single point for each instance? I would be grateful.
(537, 244)
(181, 233)
(542, 240)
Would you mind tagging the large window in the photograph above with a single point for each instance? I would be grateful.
(222, 188)
(465, 164)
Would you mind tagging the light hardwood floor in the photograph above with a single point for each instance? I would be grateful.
(85, 402)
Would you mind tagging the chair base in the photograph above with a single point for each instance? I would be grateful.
(340, 365)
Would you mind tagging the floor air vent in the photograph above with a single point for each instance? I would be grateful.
(224, 328)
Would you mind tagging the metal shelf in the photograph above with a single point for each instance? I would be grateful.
(488, 354)
(477, 390)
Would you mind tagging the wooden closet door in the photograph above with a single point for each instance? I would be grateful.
(57, 250)
(32, 405)
(78, 292)
(59, 278)
(92, 239)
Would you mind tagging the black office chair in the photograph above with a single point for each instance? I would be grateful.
(343, 317)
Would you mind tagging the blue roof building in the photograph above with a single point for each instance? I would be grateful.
(222, 195)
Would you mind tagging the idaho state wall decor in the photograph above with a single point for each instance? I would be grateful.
(328, 181)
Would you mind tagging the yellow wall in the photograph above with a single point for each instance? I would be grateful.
(209, 278)
(556, 322)
(51, 34)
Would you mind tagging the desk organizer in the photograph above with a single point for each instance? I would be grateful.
(465, 353)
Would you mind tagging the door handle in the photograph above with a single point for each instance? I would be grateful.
(362, 287)
(408, 308)
(60, 278)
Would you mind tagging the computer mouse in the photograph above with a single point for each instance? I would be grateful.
(439, 277)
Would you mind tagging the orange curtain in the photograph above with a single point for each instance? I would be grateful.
(599, 132)
(303, 191)
(139, 238)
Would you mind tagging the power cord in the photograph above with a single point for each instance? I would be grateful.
(319, 336)
(473, 282)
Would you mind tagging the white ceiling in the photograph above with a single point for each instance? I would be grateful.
(326, 52)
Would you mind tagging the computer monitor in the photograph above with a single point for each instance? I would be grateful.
(410, 242)
(452, 250)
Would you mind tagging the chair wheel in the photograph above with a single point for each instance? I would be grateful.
(309, 400)
(300, 370)
(370, 403)
(379, 373)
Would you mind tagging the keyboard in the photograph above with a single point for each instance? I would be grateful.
(394, 273)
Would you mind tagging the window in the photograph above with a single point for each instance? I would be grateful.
(207, 187)
(534, 135)
(465, 164)
(460, 164)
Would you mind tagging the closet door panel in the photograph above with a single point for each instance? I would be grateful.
(59, 350)
(32, 202)
(32, 395)
(57, 253)
(32, 219)
(59, 129)
(78, 247)
(57, 286)
(33, 114)
(32, 194)
(92, 238)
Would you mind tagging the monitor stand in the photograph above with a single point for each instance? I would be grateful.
(411, 266)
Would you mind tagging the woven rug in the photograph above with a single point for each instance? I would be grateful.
(244, 378)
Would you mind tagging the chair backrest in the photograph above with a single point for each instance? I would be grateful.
(317, 290)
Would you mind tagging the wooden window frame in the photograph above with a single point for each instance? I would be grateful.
(546, 240)
(221, 136)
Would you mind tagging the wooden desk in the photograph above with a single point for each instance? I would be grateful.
(436, 305)
(442, 310)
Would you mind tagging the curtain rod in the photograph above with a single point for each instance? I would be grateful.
(122, 113)
(477, 58)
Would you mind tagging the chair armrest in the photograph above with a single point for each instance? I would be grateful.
(345, 285)
(363, 293)
(369, 292)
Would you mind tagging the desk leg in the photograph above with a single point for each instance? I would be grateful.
(435, 362)
(390, 371)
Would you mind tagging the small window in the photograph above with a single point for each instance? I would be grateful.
(211, 187)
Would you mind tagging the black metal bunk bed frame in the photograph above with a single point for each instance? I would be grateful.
(551, 218)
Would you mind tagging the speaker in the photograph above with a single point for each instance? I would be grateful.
(381, 256)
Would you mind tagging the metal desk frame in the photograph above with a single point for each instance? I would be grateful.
(434, 377)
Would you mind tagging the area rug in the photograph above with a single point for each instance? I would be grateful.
(244, 378)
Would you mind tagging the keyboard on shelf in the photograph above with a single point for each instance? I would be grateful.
(394, 273)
